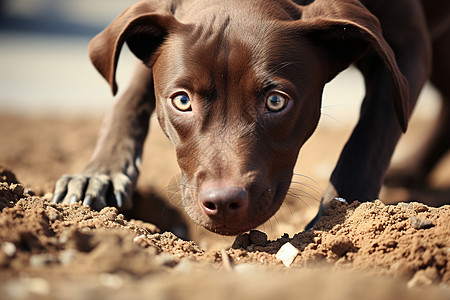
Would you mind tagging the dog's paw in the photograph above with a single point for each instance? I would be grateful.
(95, 190)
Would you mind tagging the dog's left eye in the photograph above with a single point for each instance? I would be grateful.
(276, 102)
(182, 102)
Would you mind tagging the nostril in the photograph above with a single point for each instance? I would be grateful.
(234, 206)
(209, 205)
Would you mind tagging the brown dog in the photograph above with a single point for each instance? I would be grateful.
(237, 86)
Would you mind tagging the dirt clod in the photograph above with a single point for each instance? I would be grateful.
(258, 238)
(242, 241)
(7, 176)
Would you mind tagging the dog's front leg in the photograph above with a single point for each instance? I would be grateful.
(110, 176)
(362, 165)
(365, 158)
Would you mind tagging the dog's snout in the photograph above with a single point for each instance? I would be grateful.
(224, 203)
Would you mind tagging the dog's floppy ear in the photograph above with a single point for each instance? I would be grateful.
(141, 27)
(346, 29)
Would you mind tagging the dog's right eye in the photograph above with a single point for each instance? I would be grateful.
(181, 102)
(276, 102)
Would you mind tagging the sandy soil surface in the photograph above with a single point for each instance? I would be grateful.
(48, 251)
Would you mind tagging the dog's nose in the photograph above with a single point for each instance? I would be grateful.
(224, 203)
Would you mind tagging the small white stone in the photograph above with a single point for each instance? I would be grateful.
(38, 286)
(139, 238)
(287, 254)
(48, 196)
(113, 281)
(44, 259)
(67, 256)
(9, 249)
(342, 200)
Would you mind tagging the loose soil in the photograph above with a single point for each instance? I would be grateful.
(52, 251)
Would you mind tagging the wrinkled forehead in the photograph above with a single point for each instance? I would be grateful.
(223, 53)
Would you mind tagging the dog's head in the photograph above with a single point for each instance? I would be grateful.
(238, 89)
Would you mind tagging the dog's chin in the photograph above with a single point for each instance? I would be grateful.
(250, 220)
(224, 230)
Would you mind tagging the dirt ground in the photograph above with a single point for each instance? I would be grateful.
(48, 251)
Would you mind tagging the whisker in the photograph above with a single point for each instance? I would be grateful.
(316, 191)
(166, 188)
(304, 202)
(297, 197)
(285, 203)
(333, 118)
(303, 193)
(302, 196)
(331, 105)
(307, 177)
(315, 186)
(174, 194)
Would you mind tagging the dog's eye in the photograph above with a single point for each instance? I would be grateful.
(182, 102)
(276, 102)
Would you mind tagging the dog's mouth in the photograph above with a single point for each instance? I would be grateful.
(259, 209)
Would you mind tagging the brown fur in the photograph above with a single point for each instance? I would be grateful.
(236, 156)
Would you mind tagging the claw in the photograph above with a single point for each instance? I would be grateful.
(94, 190)
(88, 200)
(122, 188)
(73, 199)
(57, 197)
(119, 199)
(75, 189)
(61, 188)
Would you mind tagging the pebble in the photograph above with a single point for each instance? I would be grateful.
(67, 256)
(53, 214)
(111, 280)
(9, 248)
(403, 205)
(39, 260)
(422, 278)
(421, 208)
(48, 196)
(139, 238)
(418, 223)
(38, 286)
(26, 288)
(287, 254)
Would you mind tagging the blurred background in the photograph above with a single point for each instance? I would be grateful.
(45, 69)
(44, 65)
(52, 100)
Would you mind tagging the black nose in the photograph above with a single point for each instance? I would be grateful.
(224, 203)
